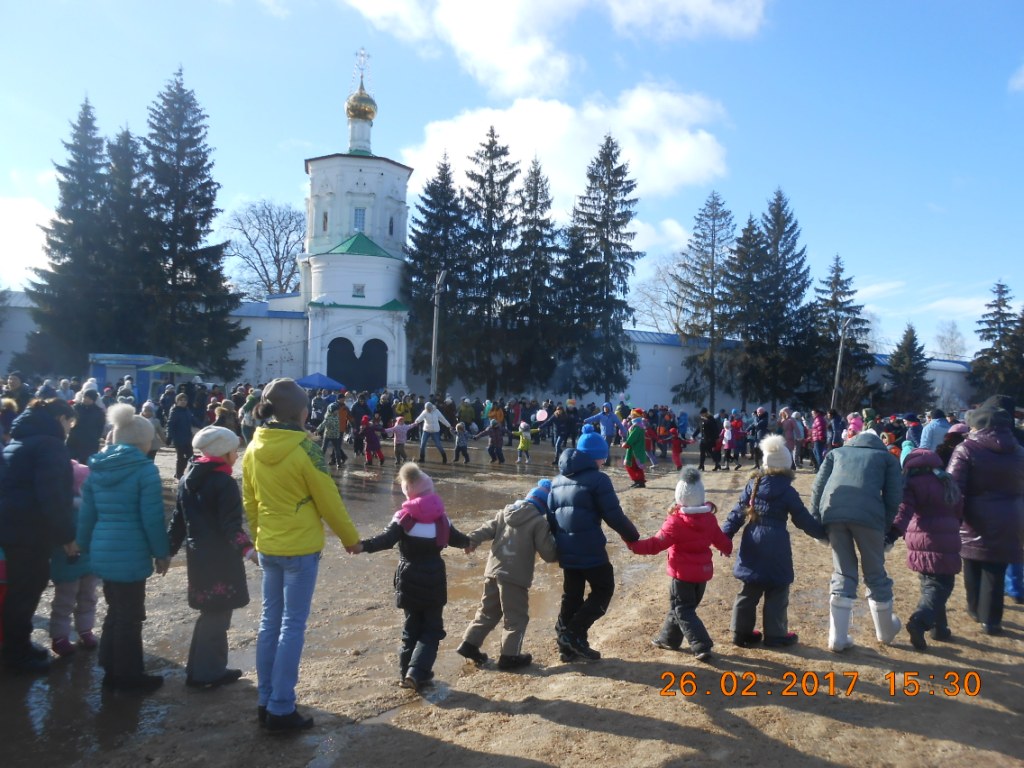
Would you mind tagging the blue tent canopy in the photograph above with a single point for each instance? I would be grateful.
(319, 381)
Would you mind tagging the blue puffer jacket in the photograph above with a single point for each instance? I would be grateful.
(179, 427)
(766, 555)
(581, 498)
(36, 489)
(121, 523)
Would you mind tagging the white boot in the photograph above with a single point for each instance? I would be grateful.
(886, 623)
(840, 609)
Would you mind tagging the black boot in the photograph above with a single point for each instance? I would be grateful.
(514, 662)
(444, 457)
(288, 723)
(472, 652)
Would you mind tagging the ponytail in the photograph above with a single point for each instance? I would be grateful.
(753, 516)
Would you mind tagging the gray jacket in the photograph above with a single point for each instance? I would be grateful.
(860, 483)
(519, 532)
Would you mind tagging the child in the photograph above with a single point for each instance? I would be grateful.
(518, 532)
(524, 434)
(676, 444)
(421, 529)
(208, 515)
(331, 430)
(765, 560)
(179, 432)
(650, 443)
(370, 433)
(636, 454)
(159, 436)
(461, 442)
(929, 519)
(582, 497)
(689, 532)
(121, 525)
(74, 588)
(494, 434)
(400, 431)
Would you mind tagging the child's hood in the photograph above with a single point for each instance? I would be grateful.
(520, 513)
(114, 463)
(703, 509)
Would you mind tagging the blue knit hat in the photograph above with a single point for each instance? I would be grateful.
(539, 495)
(592, 444)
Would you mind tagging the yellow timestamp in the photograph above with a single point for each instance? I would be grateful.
(949, 683)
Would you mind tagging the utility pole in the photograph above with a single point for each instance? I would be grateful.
(839, 360)
(438, 285)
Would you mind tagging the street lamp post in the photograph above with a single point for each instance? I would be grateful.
(839, 360)
(438, 284)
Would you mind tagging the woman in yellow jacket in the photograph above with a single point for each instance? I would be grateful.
(287, 492)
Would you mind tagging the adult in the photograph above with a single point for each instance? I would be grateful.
(180, 421)
(87, 431)
(935, 430)
(36, 514)
(288, 494)
(610, 426)
(432, 420)
(121, 525)
(819, 436)
(988, 467)
(856, 496)
(17, 390)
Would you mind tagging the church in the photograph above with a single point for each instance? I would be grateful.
(347, 320)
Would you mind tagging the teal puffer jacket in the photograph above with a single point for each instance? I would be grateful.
(860, 483)
(121, 522)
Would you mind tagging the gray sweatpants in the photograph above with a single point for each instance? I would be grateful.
(847, 540)
(501, 599)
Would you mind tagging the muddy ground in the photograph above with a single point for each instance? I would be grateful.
(621, 711)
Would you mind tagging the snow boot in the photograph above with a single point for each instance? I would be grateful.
(840, 609)
(886, 624)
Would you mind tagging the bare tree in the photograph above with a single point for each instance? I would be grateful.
(266, 239)
(949, 342)
(655, 299)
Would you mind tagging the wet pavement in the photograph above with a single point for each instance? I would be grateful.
(66, 718)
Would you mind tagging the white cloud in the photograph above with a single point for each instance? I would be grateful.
(664, 238)
(278, 8)
(880, 290)
(1017, 79)
(20, 219)
(510, 47)
(671, 19)
(656, 128)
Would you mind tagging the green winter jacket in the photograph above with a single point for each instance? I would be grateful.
(859, 483)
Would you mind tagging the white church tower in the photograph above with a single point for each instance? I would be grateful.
(351, 271)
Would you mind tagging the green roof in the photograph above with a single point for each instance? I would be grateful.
(360, 244)
(392, 306)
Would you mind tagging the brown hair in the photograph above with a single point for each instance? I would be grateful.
(752, 514)
(53, 406)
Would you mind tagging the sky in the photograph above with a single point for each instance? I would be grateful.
(895, 129)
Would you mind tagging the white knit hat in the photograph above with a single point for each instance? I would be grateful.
(130, 429)
(415, 482)
(215, 441)
(690, 488)
(776, 454)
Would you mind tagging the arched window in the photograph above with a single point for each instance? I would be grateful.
(391, 227)
(324, 225)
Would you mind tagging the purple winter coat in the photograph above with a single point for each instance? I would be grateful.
(931, 525)
(989, 468)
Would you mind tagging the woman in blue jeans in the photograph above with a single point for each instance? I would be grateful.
(432, 421)
(287, 491)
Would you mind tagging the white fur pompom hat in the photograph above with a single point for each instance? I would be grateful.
(130, 429)
(776, 454)
(690, 489)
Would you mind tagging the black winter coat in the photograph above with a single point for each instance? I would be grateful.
(208, 519)
(35, 488)
(84, 438)
(421, 580)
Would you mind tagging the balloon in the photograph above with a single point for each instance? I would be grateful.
(542, 415)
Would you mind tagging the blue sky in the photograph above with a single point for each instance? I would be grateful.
(894, 128)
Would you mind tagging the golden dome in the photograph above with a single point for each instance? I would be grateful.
(360, 105)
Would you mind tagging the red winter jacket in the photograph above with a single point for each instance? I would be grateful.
(688, 533)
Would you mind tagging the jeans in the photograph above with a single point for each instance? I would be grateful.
(846, 540)
(818, 451)
(288, 584)
(435, 436)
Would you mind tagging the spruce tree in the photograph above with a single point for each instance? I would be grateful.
(190, 316)
(529, 315)
(438, 242)
(833, 311)
(68, 293)
(601, 217)
(910, 389)
(784, 320)
(490, 205)
(699, 299)
(996, 369)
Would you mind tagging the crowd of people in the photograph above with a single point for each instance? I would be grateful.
(81, 504)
